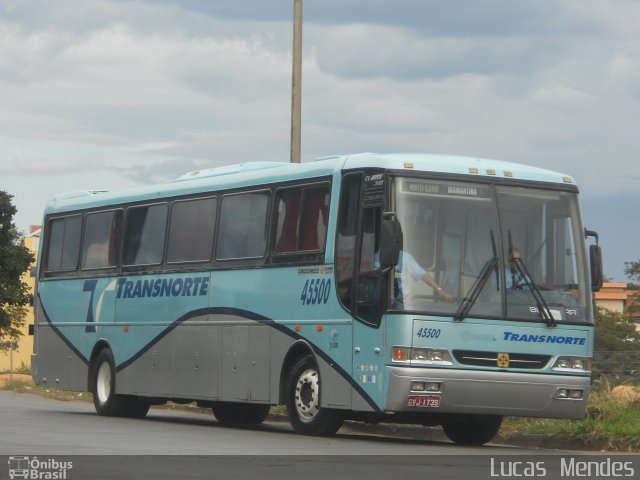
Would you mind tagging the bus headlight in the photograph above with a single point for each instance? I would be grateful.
(572, 364)
(421, 356)
(570, 394)
(430, 355)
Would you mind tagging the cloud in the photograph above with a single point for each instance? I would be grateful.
(489, 18)
(624, 69)
(558, 96)
(369, 51)
(32, 165)
(154, 88)
(158, 171)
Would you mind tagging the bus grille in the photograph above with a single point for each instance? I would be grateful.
(490, 359)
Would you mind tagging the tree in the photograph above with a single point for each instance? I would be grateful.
(617, 349)
(632, 270)
(15, 259)
(614, 333)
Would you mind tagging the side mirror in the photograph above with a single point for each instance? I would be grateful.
(595, 260)
(390, 240)
(595, 257)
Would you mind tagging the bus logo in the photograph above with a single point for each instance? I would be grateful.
(18, 467)
(503, 360)
(27, 467)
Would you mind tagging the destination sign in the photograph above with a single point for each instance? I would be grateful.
(444, 189)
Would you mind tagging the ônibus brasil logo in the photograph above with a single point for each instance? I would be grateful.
(37, 469)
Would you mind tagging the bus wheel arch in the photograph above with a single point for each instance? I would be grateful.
(102, 385)
(302, 398)
(97, 348)
(102, 374)
(297, 351)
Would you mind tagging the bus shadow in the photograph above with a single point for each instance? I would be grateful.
(377, 434)
(381, 434)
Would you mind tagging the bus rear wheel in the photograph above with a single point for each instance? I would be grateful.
(229, 413)
(105, 400)
(472, 429)
(303, 401)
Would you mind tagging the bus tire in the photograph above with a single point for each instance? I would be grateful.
(256, 414)
(105, 400)
(472, 429)
(303, 401)
(229, 413)
(134, 406)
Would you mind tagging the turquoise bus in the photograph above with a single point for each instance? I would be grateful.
(403, 288)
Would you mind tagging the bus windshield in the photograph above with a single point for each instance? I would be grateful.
(453, 232)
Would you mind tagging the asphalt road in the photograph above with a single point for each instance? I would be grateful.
(183, 444)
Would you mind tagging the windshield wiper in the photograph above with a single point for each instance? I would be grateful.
(495, 255)
(543, 308)
(468, 302)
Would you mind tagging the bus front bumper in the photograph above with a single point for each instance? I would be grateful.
(487, 392)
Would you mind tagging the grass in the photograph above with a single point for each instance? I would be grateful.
(23, 369)
(612, 423)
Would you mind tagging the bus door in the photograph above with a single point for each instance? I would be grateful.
(361, 285)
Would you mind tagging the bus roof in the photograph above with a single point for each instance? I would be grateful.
(263, 173)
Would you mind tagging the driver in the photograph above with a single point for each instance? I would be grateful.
(515, 280)
(408, 265)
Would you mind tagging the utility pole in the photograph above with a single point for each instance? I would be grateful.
(11, 360)
(296, 83)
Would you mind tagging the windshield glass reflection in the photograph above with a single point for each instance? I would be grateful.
(456, 260)
(543, 235)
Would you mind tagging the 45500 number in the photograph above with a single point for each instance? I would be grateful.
(428, 333)
(316, 291)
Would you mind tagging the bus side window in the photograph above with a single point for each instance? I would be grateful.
(347, 236)
(301, 219)
(64, 244)
(144, 235)
(314, 218)
(242, 231)
(191, 231)
(288, 220)
(101, 240)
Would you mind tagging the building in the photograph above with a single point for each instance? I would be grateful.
(612, 296)
(20, 355)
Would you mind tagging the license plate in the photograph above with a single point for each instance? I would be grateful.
(424, 401)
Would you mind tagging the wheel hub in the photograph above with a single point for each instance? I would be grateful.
(307, 395)
(103, 382)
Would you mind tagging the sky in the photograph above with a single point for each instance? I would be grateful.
(112, 94)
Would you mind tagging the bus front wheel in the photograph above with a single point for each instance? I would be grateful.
(105, 400)
(472, 429)
(303, 401)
